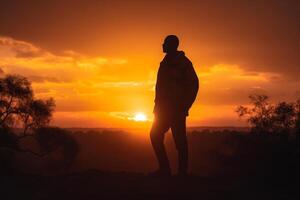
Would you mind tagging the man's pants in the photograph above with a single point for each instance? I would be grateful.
(160, 126)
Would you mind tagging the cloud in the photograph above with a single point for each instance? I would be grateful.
(127, 116)
(73, 79)
(41, 65)
(122, 115)
(124, 84)
(41, 79)
(224, 84)
(21, 49)
(113, 87)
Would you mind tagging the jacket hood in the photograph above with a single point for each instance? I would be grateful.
(174, 58)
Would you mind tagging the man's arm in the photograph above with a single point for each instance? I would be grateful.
(191, 85)
(157, 89)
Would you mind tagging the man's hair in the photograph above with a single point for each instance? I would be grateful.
(172, 40)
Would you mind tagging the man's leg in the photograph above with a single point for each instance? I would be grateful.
(179, 134)
(159, 127)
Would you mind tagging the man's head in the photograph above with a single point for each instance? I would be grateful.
(170, 44)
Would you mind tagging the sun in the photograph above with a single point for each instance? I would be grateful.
(140, 117)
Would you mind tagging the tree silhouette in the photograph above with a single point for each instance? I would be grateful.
(36, 113)
(19, 108)
(14, 90)
(18, 105)
(284, 117)
(260, 115)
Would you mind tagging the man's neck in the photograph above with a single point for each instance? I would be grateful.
(172, 53)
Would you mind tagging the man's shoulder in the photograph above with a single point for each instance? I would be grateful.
(187, 62)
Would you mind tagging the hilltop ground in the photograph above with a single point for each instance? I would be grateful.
(223, 165)
(95, 184)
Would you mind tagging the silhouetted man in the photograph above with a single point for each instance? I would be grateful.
(176, 90)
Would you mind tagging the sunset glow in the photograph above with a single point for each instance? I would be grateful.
(149, 99)
(140, 117)
(100, 63)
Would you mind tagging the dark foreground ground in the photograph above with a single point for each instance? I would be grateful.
(93, 184)
(224, 164)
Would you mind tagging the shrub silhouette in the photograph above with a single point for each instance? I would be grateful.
(271, 149)
(265, 118)
(7, 141)
(52, 139)
(297, 122)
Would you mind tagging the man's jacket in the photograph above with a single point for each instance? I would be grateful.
(176, 86)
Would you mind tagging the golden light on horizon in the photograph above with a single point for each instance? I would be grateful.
(140, 117)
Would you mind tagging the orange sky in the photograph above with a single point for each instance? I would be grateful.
(99, 59)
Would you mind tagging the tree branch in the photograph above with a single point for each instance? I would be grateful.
(7, 110)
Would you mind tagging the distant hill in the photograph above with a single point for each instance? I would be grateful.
(193, 128)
